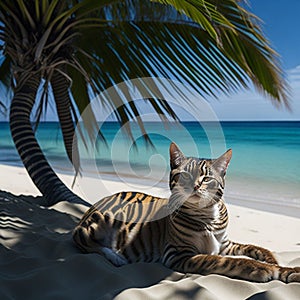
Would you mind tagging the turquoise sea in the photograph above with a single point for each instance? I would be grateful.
(265, 168)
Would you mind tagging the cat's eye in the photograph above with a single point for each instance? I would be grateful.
(207, 179)
(210, 182)
(175, 176)
(185, 176)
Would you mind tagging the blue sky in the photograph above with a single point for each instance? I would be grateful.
(281, 26)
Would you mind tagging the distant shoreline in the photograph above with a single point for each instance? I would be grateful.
(234, 192)
(191, 121)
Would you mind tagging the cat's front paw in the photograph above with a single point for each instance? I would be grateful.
(295, 277)
(261, 275)
(290, 274)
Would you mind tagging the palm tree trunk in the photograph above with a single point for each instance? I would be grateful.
(36, 164)
(60, 86)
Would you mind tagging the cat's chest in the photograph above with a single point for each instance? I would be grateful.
(206, 242)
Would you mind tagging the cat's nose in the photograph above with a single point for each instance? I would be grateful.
(196, 187)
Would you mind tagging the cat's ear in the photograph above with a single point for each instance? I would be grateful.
(176, 156)
(221, 163)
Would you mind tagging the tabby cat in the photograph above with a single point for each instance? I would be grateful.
(186, 232)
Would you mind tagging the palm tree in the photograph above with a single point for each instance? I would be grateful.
(81, 47)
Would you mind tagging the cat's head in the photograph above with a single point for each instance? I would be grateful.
(199, 182)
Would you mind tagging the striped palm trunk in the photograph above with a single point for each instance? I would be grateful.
(36, 164)
(60, 86)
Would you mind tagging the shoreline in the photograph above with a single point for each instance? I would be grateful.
(239, 192)
(247, 224)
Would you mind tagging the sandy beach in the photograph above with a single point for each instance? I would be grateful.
(39, 261)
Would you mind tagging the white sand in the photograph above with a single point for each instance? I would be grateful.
(39, 261)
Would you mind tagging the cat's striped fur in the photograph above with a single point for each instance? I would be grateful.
(186, 232)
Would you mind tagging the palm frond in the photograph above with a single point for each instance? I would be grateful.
(42, 105)
(163, 43)
(81, 95)
(172, 51)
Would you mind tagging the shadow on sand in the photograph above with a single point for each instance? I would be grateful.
(38, 259)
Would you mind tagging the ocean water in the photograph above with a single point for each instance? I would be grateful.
(265, 166)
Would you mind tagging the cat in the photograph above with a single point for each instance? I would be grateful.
(186, 232)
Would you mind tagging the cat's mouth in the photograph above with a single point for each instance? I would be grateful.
(198, 191)
(203, 194)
